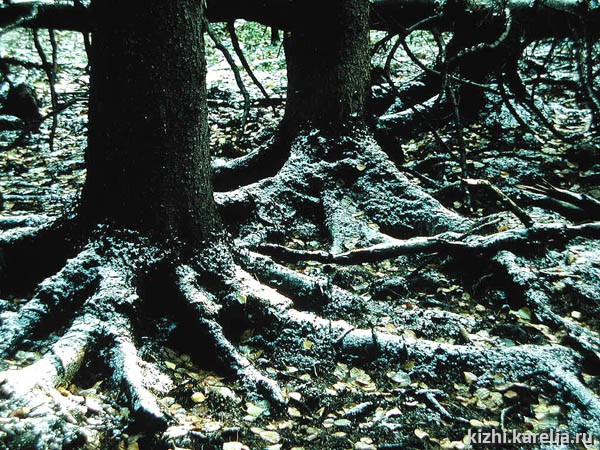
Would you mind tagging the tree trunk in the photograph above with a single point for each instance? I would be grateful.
(328, 64)
(148, 164)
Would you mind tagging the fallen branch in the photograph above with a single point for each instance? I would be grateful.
(512, 206)
(449, 243)
(562, 199)
(538, 20)
(50, 70)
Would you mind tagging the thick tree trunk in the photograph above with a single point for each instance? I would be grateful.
(147, 160)
(328, 66)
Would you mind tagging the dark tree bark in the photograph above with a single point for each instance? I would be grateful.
(148, 165)
(328, 65)
(536, 20)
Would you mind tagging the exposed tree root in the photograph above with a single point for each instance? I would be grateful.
(344, 225)
(402, 122)
(552, 363)
(260, 163)
(535, 297)
(127, 373)
(32, 221)
(322, 179)
(108, 278)
(332, 302)
(206, 310)
(96, 292)
(365, 202)
(523, 216)
(60, 293)
(57, 366)
(309, 292)
(572, 205)
(430, 396)
(56, 417)
(361, 209)
(39, 416)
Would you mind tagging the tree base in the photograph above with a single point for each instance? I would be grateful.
(96, 296)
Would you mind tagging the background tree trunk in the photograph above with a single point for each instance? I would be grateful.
(328, 66)
(148, 161)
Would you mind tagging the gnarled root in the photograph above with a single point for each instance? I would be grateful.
(32, 221)
(346, 187)
(41, 417)
(558, 366)
(63, 292)
(453, 244)
(96, 292)
(127, 373)
(260, 163)
(308, 292)
(538, 301)
(205, 310)
(37, 415)
(573, 205)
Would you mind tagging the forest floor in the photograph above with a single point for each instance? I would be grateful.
(338, 402)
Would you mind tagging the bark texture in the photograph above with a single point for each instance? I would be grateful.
(148, 161)
(329, 66)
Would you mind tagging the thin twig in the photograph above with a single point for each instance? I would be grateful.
(513, 110)
(236, 73)
(392, 83)
(381, 43)
(24, 133)
(585, 66)
(545, 62)
(240, 54)
(460, 142)
(453, 77)
(429, 395)
(511, 205)
(50, 70)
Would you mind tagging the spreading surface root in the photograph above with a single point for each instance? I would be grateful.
(534, 296)
(555, 364)
(335, 204)
(345, 203)
(95, 296)
(348, 194)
